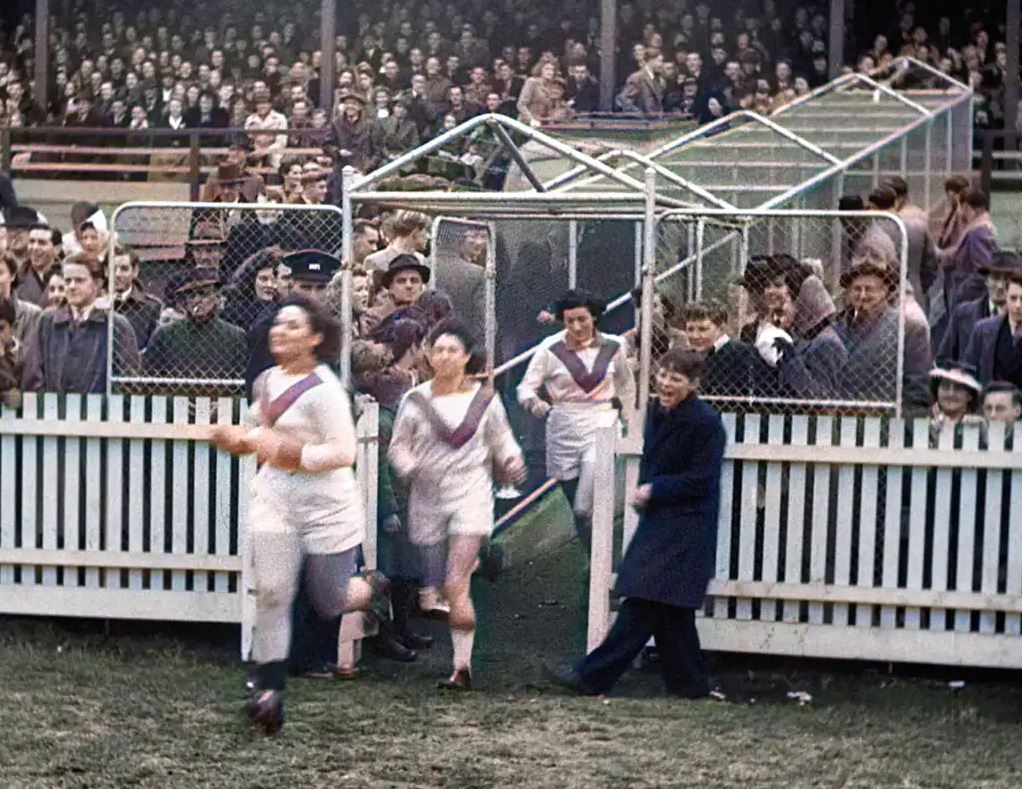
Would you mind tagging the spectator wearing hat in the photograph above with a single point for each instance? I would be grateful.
(771, 282)
(991, 304)
(17, 221)
(995, 349)
(26, 314)
(229, 178)
(962, 280)
(268, 148)
(405, 280)
(1002, 402)
(956, 395)
(252, 184)
(69, 351)
(88, 230)
(130, 298)
(43, 243)
(810, 367)
(311, 272)
(201, 346)
(349, 141)
(869, 329)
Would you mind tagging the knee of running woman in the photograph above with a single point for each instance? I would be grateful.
(462, 617)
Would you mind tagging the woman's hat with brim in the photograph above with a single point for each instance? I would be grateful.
(405, 262)
(871, 268)
(960, 373)
(229, 172)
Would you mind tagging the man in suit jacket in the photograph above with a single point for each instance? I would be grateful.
(463, 279)
(991, 304)
(583, 91)
(995, 349)
(644, 90)
(669, 562)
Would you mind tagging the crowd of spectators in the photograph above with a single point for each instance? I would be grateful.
(408, 71)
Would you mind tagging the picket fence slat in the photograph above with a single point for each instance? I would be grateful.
(796, 513)
(892, 521)
(727, 498)
(200, 496)
(1013, 580)
(772, 520)
(8, 495)
(868, 511)
(821, 516)
(920, 431)
(49, 481)
(940, 527)
(136, 490)
(845, 512)
(966, 529)
(158, 482)
(751, 494)
(93, 500)
(72, 524)
(179, 501)
(992, 528)
(225, 493)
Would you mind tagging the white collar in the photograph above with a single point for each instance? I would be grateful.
(722, 340)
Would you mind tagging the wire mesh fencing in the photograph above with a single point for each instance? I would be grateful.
(192, 280)
(795, 311)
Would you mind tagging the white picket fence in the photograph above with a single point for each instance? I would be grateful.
(115, 507)
(845, 537)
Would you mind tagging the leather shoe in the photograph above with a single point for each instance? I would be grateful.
(461, 681)
(414, 640)
(569, 678)
(266, 712)
(388, 645)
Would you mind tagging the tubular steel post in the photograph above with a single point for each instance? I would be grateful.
(608, 57)
(637, 257)
(928, 168)
(491, 303)
(648, 273)
(327, 55)
(1011, 74)
(572, 253)
(837, 36)
(41, 87)
(347, 251)
(700, 236)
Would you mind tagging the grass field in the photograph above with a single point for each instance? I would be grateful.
(159, 706)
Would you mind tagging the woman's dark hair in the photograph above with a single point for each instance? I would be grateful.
(575, 298)
(436, 307)
(451, 327)
(975, 199)
(956, 184)
(243, 280)
(683, 362)
(321, 321)
(454, 329)
(400, 334)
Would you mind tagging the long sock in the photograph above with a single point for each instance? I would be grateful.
(463, 641)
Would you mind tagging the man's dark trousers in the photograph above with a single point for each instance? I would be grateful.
(677, 640)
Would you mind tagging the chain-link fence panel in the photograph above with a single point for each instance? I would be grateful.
(192, 280)
(795, 311)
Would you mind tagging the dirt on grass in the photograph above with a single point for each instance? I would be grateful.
(86, 704)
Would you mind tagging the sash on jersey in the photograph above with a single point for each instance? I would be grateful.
(586, 380)
(271, 411)
(462, 434)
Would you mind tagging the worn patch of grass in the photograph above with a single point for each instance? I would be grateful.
(145, 705)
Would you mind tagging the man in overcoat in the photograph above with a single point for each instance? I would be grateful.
(670, 560)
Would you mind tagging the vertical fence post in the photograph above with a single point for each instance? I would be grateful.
(5, 150)
(648, 284)
(637, 262)
(601, 559)
(987, 164)
(490, 296)
(700, 236)
(572, 253)
(194, 166)
(347, 250)
(928, 169)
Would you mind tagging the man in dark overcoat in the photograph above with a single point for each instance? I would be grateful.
(670, 560)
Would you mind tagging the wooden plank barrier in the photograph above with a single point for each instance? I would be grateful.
(116, 508)
(854, 538)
